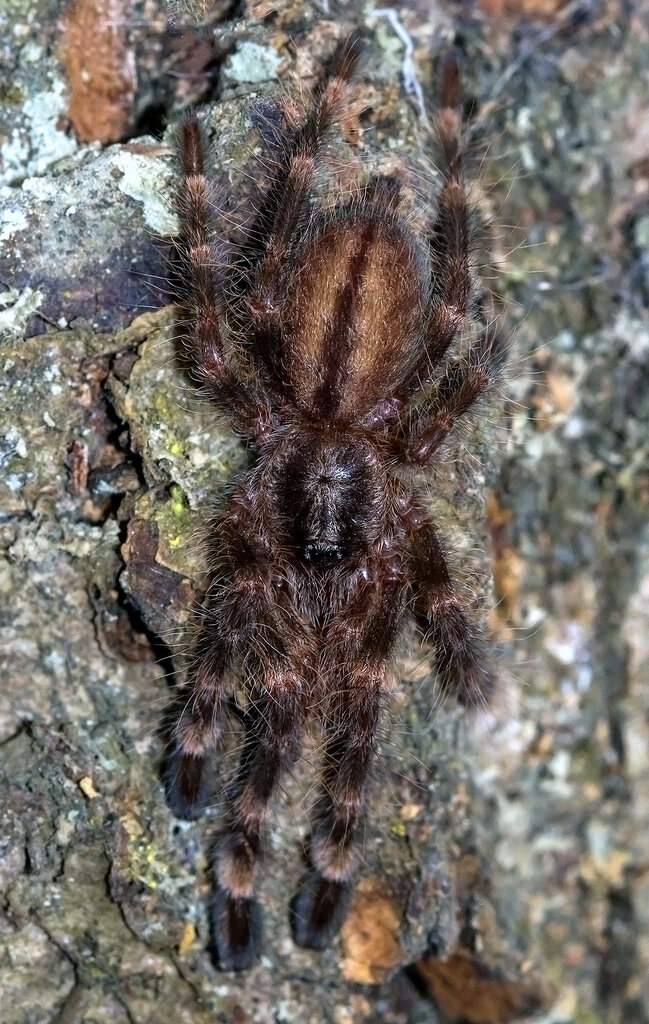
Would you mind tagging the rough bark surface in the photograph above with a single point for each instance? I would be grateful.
(505, 868)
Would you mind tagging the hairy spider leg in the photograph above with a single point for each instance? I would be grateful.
(286, 207)
(278, 679)
(463, 669)
(450, 238)
(214, 370)
(192, 728)
(356, 647)
(420, 433)
(194, 722)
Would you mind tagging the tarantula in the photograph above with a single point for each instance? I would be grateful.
(327, 353)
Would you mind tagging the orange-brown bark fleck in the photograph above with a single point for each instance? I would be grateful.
(100, 66)
(370, 935)
(508, 564)
(545, 9)
(465, 991)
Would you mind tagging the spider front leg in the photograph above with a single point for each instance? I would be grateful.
(418, 436)
(214, 368)
(450, 241)
(357, 645)
(463, 670)
(286, 209)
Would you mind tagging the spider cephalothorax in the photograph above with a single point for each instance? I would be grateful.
(334, 366)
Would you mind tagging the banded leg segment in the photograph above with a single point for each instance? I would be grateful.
(214, 369)
(451, 233)
(463, 670)
(280, 678)
(451, 237)
(193, 728)
(418, 437)
(272, 746)
(358, 643)
(287, 204)
(194, 722)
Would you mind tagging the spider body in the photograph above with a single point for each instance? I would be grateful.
(333, 365)
(330, 484)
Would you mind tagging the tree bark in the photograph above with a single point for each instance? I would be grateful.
(505, 870)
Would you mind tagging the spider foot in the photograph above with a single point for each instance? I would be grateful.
(474, 691)
(236, 927)
(185, 783)
(318, 910)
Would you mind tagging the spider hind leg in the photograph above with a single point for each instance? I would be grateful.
(271, 747)
(320, 905)
(192, 729)
(318, 910)
(186, 785)
(236, 931)
(358, 642)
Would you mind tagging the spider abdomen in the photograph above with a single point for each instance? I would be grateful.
(355, 314)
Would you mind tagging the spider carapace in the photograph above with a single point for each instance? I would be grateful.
(327, 344)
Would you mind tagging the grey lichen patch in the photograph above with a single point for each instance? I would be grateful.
(43, 398)
(20, 307)
(177, 433)
(39, 143)
(146, 176)
(42, 559)
(100, 262)
(252, 63)
(11, 222)
(79, 540)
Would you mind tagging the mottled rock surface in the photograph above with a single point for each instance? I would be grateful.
(505, 865)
